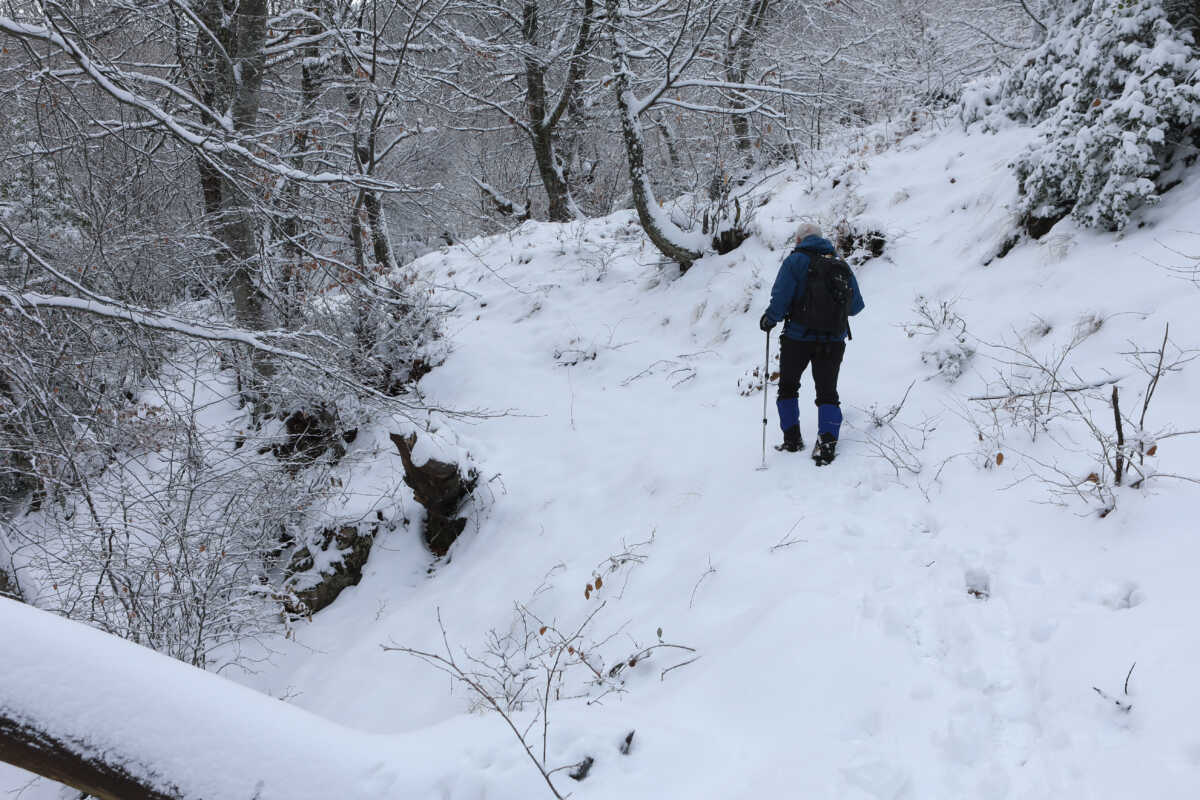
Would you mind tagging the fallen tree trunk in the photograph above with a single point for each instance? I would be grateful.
(118, 721)
(71, 763)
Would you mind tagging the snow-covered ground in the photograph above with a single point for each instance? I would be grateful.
(943, 628)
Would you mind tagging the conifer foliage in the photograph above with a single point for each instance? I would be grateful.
(1115, 91)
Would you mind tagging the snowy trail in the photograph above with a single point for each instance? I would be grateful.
(875, 606)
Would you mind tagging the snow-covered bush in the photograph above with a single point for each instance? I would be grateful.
(374, 342)
(1115, 92)
(171, 549)
(945, 346)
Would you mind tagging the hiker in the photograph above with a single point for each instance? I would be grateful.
(816, 293)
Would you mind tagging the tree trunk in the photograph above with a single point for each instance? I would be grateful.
(550, 171)
(73, 764)
(240, 237)
(541, 129)
(738, 48)
(8, 582)
(312, 75)
(664, 234)
(233, 78)
(544, 120)
(381, 243)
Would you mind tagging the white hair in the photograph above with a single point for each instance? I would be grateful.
(807, 229)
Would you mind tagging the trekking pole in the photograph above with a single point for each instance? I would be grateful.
(766, 379)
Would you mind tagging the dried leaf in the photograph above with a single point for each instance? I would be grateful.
(542, 631)
(1093, 478)
(599, 581)
(999, 459)
(1153, 449)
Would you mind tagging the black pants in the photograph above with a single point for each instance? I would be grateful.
(826, 360)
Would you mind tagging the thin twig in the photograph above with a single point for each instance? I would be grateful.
(710, 571)
(663, 674)
(785, 541)
(1051, 390)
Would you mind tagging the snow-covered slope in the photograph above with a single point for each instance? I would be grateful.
(937, 629)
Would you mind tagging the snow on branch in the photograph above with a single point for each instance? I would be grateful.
(110, 81)
(503, 204)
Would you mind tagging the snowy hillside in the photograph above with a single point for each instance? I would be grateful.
(950, 610)
(841, 650)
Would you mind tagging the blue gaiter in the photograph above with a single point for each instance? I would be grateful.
(789, 412)
(829, 419)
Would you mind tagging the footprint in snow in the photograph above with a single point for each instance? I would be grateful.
(979, 584)
(1121, 595)
(880, 780)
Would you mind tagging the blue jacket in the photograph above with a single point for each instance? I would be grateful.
(791, 282)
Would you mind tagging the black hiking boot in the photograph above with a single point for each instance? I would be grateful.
(825, 449)
(793, 442)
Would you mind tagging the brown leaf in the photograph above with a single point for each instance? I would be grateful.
(1153, 449)
(599, 581)
(999, 459)
(1093, 478)
(542, 631)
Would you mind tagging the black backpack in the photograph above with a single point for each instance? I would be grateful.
(824, 308)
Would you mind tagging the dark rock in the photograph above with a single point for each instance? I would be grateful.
(1007, 245)
(309, 435)
(8, 586)
(441, 488)
(729, 240)
(581, 770)
(354, 546)
(1037, 227)
(859, 246)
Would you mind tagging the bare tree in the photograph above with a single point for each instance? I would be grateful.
(739, 48)
(523, 62)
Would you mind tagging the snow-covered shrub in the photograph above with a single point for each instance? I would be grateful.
(945, 347)
(170, 549)
(397, 337)
(1115, 92)
(372, 341)
(859, 240)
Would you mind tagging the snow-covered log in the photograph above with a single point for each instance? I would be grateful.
(117, 720)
